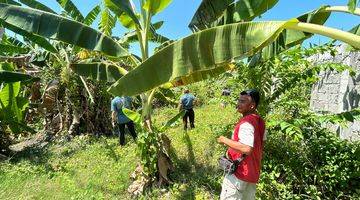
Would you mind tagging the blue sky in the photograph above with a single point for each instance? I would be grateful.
(179, 13)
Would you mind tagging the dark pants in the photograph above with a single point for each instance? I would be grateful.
(189, 114)
(131, 128)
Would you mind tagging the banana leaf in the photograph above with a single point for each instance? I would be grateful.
(99, 71)
(119, 7)
(352, 5)
(156, 6)
(92, 15)
(71, 9)
(243, 10)
(134, 116)
(208, 11)
(42, 42)
(131, 37)
(11, 49)
(37, 5)
(107, 22)
(199, 56)
(172, 120)
(11, 77)
(59, 28)
(10, 2)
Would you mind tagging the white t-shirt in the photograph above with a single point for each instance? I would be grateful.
(246, 134)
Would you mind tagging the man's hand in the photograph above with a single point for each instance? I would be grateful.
(221, 139)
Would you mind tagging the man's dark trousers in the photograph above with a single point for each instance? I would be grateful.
(131, 128)
(189, 113)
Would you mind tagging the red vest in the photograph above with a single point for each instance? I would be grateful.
(249, 169)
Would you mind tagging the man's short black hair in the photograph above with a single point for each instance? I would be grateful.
(254, 94)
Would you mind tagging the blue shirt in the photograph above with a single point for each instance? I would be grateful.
(117, 104)
(187, 100)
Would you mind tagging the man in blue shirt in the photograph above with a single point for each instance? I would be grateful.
(119, 119)
(186, 103)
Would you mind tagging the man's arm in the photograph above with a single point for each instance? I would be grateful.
(113, 117)
(237, 146)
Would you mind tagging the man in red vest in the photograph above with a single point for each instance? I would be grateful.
(247, 139)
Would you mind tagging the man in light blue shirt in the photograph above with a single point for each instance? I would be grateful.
(119, 119)
(186, 103)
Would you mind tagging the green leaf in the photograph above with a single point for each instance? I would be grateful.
(208, 11)
(71, 9)
(156, 6)
(199, 56)
(243, 10)
(122, 6)
(107, 22)
(10, 49)
(42, 42)
(132, 115)
(126, 21)
(11, 77)
(158, 25)
(91, 16)
(37, 5)
(11, 2)
(99, 71)
(8, 94)
(60, 28)
(173, 120)
(352, 5)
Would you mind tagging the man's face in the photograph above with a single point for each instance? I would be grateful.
(245, 104)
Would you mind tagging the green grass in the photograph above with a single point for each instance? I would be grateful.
(97, 168)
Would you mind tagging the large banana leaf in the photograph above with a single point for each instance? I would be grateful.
(71, 9)
(91, 16)
(42, 42)
(99, 71)
(11, 77)
(208, 11)
(37, 5)
(318, 16)
(60, 28)
(243, 10)
(120, 7)
(199, 56)
(156, 6)
(8, 94)
(290, 38)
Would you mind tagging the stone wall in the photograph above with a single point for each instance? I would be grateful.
(338, 92)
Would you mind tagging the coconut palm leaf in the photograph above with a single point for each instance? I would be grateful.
(59, 28)
(92, 15)
(99, 71)
(37, 5)
(71, 9)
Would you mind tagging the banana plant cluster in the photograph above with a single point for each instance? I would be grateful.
(224, 34)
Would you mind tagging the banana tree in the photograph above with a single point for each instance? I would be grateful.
(12, 103)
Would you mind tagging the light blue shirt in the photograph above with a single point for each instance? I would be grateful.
(117, 104)
(187, 100)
